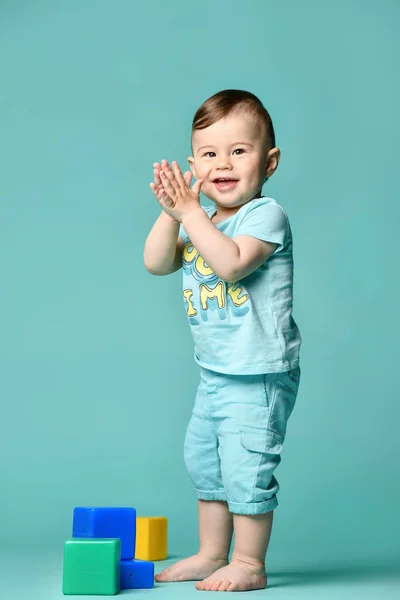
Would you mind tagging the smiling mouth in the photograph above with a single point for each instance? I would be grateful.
(223, 183)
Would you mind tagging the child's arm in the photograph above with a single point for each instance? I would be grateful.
(230, 259)
(163, 248)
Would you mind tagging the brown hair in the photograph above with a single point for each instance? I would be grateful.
(227, 102)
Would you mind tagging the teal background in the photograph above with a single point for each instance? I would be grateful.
(97, 371)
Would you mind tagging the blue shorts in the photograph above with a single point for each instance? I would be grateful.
(235, 437)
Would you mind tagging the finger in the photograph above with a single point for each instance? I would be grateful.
(188, 178)
(156, 173)
(165, 183)
(157, 180)
(158, 192)
(166, 169)
(162, 194)
(156, 188)
(168, 180)
(178, 174)
(197, 186)
(175, 176)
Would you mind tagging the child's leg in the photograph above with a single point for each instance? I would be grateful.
(251, 414)
(215, 529)
(246, 570)
(203, 464)
(215, 534)
(252, 535)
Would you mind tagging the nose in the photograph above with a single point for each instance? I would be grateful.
(224, 163)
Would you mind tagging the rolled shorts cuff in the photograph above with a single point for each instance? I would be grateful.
(253, 508)
(215, 495)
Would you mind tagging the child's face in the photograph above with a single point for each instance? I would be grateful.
(233, 148)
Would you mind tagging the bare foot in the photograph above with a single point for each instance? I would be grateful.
(235, 577)
(194, 568)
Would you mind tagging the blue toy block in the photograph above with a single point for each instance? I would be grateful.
(136, 574)
(107, 522)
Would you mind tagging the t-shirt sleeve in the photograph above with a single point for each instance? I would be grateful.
(267, 222)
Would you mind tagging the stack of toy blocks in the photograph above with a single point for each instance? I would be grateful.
(112, 549)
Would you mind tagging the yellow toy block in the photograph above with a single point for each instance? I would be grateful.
(151, 538)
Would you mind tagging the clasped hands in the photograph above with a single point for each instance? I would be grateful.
(172, 190)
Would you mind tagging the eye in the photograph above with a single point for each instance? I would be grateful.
(239, 150)
(210, 152)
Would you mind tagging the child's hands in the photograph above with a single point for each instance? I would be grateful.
(160, 193)
(156, 186)
(172, 190)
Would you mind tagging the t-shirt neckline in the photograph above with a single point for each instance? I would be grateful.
(234, 215)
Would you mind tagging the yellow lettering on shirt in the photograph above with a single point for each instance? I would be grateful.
(221, 291)
(191, 311)
(207, 293)
(234, 294)
(189, 253)
(201, 267)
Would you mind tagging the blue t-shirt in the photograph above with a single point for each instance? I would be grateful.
(245, 327)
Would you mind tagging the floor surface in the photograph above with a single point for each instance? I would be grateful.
(39, 577)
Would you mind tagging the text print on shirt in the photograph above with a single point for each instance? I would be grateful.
(211, 292)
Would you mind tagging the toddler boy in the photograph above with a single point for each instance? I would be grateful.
(237, 265)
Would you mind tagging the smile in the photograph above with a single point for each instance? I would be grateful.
(224, 185)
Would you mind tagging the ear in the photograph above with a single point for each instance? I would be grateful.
(191, 165)
(273, 158)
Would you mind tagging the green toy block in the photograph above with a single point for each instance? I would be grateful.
(92, 566)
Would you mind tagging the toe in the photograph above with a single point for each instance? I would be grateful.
(206, 584)
(215, 585)
(224, 586)
(199, 585)
(164, 575)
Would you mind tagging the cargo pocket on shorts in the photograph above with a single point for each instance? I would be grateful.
(263, 451)
(262, 442)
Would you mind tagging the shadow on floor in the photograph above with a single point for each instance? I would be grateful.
(334, 574)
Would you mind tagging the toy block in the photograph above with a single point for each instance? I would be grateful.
(107, 522)
(136, 574)
(151, 538)
(92, 566)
